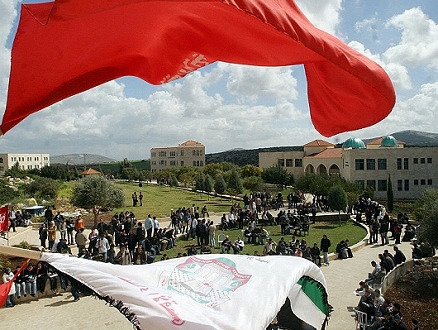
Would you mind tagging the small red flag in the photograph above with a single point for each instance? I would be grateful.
(6, 287)
(4, 218)
(68, 46)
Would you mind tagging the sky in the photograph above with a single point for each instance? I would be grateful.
(227, 106)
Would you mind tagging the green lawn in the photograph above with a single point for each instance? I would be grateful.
(159, 200)
(334, 232)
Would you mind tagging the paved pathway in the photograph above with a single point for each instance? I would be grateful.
(342, 278)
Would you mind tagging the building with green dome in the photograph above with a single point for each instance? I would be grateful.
(412, 169)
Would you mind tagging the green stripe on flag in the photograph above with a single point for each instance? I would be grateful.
(316, 292)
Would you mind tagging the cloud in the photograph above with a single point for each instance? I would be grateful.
(419, 40)
(324, 14)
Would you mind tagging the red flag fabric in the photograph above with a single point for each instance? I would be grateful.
(68, 46)
(6, 287)
(4, 218)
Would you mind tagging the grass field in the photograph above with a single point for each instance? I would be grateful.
(334, 232)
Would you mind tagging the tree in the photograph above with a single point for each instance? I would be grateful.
(219, 184)
(250, 170)
(235, 183)
(200, 181)
(7, 194)
(337, 199)
(212, 169)
(390, 195)
(173, 181)
(313, 183)
(97, 191)
(253, 183)
(208, 184)
(426, 212)
(277, 175)
(44, 188)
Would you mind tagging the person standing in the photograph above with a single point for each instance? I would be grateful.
(79, 223)
(12, 220)
(51, 234)
(9, 276)
(140, 197)
(325, 245)
(43, 235)
(81, 241)
(103, 247)
(149, 226)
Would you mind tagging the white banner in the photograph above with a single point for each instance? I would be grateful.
(208, 291)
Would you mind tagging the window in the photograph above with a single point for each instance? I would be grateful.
(415, 160)
(422, 160)
(153, 154)
(172, 163)
(399, 185)
(154, 162)
(429, 160)
(371, 164)
(406, 185)
(201, 152)
(182, 163)
(1, 160)
(406, 163)
(171, 153)
(163, 162)
(201, 163)
(429, 182)
(2, 168)
(415, 182)
(182, 152)
(193, 152)
(298, 163)
(423, 182)
(280, 162)
(381, 164)
(399, 163)
(162, 154)
(289, 162)
(194, 163)
(359, 164)
(371, 183)
(361, 184)
(382, 185)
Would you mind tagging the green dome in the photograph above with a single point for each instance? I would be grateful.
(353, 143)
(389, 141)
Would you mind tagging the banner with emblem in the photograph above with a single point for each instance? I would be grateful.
(214, 291)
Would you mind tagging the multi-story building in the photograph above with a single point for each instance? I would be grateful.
(189, 153)
(412, 169)
(24, 161)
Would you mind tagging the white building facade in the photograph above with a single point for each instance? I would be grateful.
(24, 161)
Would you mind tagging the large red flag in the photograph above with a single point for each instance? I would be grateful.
(68, 46)
(4, 218)
(6, 287)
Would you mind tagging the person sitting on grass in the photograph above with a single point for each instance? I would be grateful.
(238, 245)
(226, 244)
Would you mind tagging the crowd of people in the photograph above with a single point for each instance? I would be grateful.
(381, 312)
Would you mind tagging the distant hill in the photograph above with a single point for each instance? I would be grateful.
(241, 157)
(78, 159)
(416, 138)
